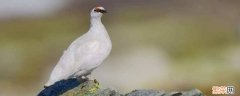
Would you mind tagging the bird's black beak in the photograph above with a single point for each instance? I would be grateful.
(103, 11)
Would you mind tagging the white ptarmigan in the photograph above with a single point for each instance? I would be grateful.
(86, 53)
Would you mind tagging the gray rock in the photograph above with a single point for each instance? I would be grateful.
(108, 92)
(146, 93)
(194, 92)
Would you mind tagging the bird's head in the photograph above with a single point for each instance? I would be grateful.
(98, 12)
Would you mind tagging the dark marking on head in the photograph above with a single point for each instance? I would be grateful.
(99, 10)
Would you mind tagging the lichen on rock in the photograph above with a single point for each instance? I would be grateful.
(88, 88)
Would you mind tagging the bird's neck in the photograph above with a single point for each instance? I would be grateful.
(97, 28)
(96, 22)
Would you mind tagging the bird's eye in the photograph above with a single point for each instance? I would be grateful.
(95, 10)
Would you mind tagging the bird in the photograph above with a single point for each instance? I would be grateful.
(85, 53)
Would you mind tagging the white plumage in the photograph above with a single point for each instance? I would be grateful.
(84, 54)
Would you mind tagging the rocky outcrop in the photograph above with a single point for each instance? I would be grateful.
(75, 87)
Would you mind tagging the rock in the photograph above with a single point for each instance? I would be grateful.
(194, 92)
(108, 92)
(145, 93)
(74, 87)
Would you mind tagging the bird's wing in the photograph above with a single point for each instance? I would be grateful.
(86, 53)
(67, 59)
(79, 56)
(63, 69)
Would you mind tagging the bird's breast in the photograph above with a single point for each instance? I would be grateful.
(92, 53)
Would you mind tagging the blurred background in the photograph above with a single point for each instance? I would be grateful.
(157, 44)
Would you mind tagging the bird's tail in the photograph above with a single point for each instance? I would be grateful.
(60, 87)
